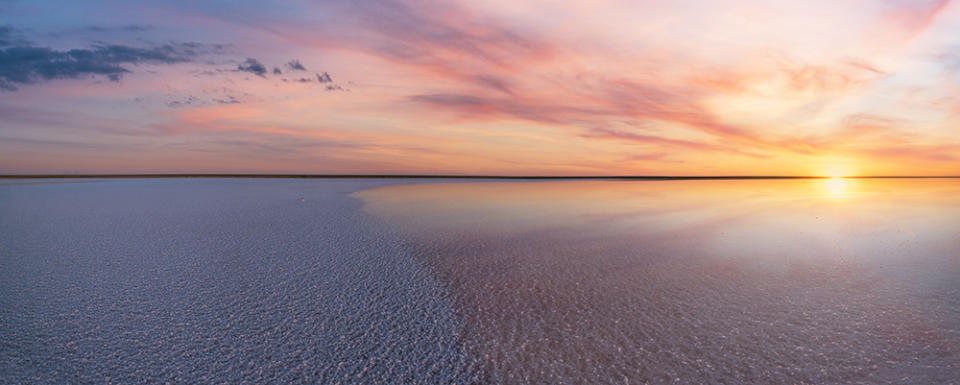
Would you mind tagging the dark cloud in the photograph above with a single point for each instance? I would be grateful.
(253, 66)
(126, 28)
(324, 78)
(277, 71)
(137, 28)
(334, 87)
(294, 65)
(5, 35)
(305, 80)
(28, 64)
(186, 102)
(100, 30)
(8, 37)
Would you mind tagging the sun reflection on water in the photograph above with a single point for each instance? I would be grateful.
(690, 262)
(837, 187)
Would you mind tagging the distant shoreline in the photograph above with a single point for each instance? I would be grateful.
(416, 176)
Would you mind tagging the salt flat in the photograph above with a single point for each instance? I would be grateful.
(214, 281)
(386, 281)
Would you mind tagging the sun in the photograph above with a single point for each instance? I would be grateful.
(837, 172)
(835, 186)
(837, 167)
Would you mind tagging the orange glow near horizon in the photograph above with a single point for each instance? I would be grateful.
(720, 88)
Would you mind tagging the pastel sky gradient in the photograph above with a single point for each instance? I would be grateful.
(607, 87)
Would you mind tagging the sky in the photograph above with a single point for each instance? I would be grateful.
(606, 87)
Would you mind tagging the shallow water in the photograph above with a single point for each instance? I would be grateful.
(578, 282)
(770, 281)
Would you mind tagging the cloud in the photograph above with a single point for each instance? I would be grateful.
(253, 66)
(445, 30)
(930, 153)
(609, 100)
(294, 65)
(124, 28)
(323, 78)
(950, 60)
(489, 108)
(761, 89)
(187, 102)
(447, 39)
(825, 79)
(137, 28)
(650, 157)
(6, 36)
(229, 99)
(605, 133)
(621, 101)
(27, 64)
(913, 17)
(494, 83)
(859, 124)
(100, 30)
(857, 63)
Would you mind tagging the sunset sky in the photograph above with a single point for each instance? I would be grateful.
(776, 87)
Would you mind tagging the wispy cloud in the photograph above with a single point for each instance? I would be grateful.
(913, 16)
(604, 133)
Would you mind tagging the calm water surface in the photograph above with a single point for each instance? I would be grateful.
(770, 281)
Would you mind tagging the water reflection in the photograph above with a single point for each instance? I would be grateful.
(821, 280)
(836, 186)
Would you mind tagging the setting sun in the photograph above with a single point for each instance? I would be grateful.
(482, 88)
(835, 186)
(480, 192)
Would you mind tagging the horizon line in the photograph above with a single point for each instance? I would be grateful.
(452, 176)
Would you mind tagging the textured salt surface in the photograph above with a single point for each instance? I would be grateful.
(286, 281)
(214, 281)
(696, 282)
